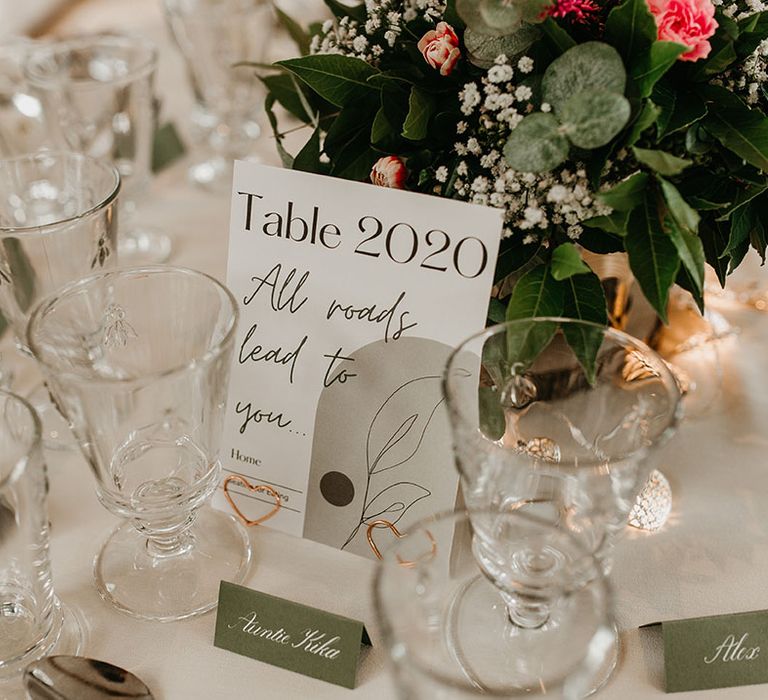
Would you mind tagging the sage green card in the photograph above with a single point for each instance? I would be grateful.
(289, 635)
(716, 652)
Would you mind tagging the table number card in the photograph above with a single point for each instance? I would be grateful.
(351, 298)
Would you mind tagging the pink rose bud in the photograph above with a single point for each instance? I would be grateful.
(389, 171)
(688, 22)
(440, 48)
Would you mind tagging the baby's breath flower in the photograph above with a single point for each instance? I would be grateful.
(525, 64)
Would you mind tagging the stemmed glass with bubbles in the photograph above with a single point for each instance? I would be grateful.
(97, 93)
(58, 223)
(567, 435)
(441, 590)
(138, 361)
(217, 38)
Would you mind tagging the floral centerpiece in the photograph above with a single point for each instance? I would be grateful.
(636, 126)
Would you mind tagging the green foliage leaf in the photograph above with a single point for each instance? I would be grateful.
(631, 29)
(682, 224)
(559, 39)
(341, 9)
(592, 65)
(566, 262)
(308, 158)
(593, 117)
(513, 255)
(645, 120)
(421, 106)
(615, 222)
(662, 162)
(285, 89)
(536, 144)
(294, 29)
(739, 128)
(339, 79)
(647, 71)
(497, 311)
(714, 238)
(482, 49)
(752, 31)
(388, 122)
(602, 241)
(585, 300)
(627, 194)
(652, 254)
(536, 294)
(285, 158)
(678, 109)
(721, 55)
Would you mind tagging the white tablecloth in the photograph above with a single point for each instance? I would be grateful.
(712, 556)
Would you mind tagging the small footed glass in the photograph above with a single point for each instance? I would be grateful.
(443, 616)
(138, 359)
(33, 623)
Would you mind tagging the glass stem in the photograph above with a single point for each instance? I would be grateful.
(167, 538)
(527, 614)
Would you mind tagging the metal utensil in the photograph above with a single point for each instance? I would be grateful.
(80, 678)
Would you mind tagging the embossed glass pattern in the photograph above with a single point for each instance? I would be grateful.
(138, 361)
(32, 622)
(58, 223)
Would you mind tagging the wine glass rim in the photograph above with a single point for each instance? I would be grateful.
(106, 200)
(144, 270)
(34, 443)
(106, 39)
(599, 579)
(675, 410)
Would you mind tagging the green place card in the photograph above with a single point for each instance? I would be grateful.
(716, 652)
(289, 635)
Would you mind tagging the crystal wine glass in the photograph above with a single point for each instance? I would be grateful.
(138, 360)
(58, 223)
(33, 623)
(97, 92)
(564, 420)
(215, 38)
(443, 608)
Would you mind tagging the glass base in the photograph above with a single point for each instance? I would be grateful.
(56, 432)
(213, 173)
(172, 587)
(142, 246)
(495, 653)
(66, 636)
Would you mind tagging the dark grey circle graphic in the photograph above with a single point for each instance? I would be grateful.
(337, 488)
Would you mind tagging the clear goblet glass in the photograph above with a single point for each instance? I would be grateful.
(32, 621)
(58, 223)
(97, 92)
(214, 37)
(444, 620)
(138, 360)
(535, 432)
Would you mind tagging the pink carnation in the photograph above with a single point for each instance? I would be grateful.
(688, 22)
(440, 48)
(389, 171)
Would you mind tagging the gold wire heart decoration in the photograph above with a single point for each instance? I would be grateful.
(258, 488)
(408, 564)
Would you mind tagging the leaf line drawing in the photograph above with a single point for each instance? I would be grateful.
(397, 447)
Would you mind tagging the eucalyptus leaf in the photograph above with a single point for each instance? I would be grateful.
(662, 162)
(536, 294)
(482, 49)
(653, 256)
(585, 301)
(566, 262)
(536, 144)
(339, 79)
(501, 15)
(593, 117)
(592, 65)
(475, 14)
(627, 194)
